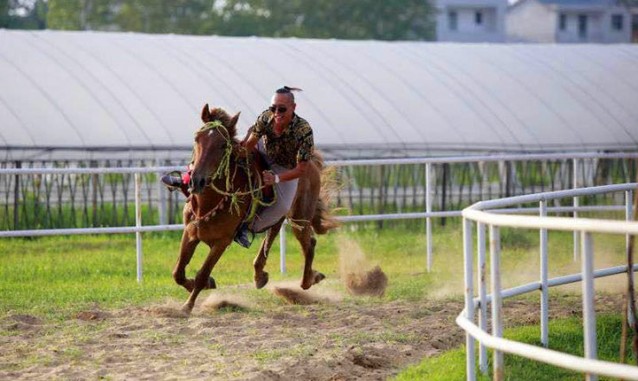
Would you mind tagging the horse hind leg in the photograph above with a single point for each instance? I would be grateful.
(308, 242)
(260, 276)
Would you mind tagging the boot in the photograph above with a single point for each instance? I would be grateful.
(241, 236)
(175, 181)
(172, 180)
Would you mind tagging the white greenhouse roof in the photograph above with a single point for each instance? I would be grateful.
(96, 93)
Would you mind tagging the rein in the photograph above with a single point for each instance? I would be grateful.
(210, 214)
(223, 172)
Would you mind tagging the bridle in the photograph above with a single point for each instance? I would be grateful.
(223, 172)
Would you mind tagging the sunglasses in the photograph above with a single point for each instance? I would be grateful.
(278, 109)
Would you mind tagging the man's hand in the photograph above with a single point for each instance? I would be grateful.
(269, 177)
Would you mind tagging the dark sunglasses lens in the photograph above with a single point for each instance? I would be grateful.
(280, 109)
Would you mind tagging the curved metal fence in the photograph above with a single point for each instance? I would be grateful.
(487, 215)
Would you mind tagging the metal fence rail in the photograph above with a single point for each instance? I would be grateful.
(46, 195)
(485, 215)
(390, 200)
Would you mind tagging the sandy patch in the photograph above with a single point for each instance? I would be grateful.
(229, 338)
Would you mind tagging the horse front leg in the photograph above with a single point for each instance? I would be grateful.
(186, 251)
(261, 276)
(203, 280)
(308, 242)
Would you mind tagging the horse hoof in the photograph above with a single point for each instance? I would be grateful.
(261, 280)
(211, 283)
(319, 277)
(187, 309)
(316, 278)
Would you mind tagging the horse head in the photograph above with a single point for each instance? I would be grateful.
(214, 142)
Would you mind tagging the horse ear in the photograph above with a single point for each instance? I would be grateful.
(232, 125)
(206, 117)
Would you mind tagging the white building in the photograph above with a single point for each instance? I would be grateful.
(471, 20)
(568, 21)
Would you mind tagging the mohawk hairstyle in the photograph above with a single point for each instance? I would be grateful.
(288, 90)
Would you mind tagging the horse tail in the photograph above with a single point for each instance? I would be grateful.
(323, 220)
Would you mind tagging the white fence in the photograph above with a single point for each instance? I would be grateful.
(486, 215)
(427, 214)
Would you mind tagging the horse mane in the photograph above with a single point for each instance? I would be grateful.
(317, 158)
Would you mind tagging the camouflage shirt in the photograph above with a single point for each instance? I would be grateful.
(295, 144)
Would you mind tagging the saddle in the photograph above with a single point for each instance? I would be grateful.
(266, 197)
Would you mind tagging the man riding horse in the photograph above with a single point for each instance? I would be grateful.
(285, 141)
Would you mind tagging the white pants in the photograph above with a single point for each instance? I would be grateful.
(285, 192)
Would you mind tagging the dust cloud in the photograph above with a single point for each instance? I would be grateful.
(358, 275)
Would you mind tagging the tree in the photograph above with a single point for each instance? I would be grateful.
(4, 13)
(23, 14)
(64, 14)
(346, 19)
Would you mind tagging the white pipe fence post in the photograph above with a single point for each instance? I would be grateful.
(469, 297)
(629, 201)
(497, 318)
(482, 286)
(576, 204)
(428, 220)
(161, 198)
(544, 276)
(589, 318)
(138, 224)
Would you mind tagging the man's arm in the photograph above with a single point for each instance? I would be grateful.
(248, 145)
(296, 172)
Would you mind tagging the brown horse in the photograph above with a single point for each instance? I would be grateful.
(223, 190)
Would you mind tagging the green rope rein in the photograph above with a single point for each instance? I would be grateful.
(223, 172)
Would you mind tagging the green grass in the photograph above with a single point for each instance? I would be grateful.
(55, 277)
(565, 335)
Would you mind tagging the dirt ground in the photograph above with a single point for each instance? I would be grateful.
(227, 338)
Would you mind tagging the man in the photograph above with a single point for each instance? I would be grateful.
(286, 142)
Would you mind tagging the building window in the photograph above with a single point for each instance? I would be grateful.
(453, 20)
(478, 18)
(562, 22)
(582, 26)
(617, 22)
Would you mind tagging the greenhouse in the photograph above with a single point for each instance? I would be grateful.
(104, 100)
